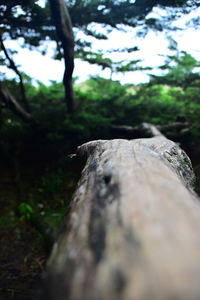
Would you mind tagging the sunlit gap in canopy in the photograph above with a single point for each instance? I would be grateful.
(130, 1)
(41, 3)
(153, 50)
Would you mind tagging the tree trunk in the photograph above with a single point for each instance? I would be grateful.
(64, 30)
(134, 227)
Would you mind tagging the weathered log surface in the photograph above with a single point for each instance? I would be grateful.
(134, 226)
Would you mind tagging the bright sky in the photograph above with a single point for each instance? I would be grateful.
(44, 68)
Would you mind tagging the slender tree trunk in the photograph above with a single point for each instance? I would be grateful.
(134, 228)
(63, 25)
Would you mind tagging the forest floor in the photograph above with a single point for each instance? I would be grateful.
(46, 186)
(23, 251)
(22, 260)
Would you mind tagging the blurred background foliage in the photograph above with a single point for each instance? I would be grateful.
(101, 102)
(37, 156)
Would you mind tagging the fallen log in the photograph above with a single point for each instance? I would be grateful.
(134, 227)
(131, 132)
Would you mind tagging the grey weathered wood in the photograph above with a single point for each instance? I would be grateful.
(134, 226)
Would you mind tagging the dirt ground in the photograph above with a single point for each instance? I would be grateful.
(21, 263)
(22, 252)
(23, 249)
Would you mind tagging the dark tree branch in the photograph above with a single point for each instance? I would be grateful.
(147, 130)
(11, 102)
(14, 68)
(63, 25)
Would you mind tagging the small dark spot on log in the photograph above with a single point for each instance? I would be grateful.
(97, 235)
(103, 197)
(97, 229)
(107, 179)
(119, 281)
(132, 239)
(93, 165)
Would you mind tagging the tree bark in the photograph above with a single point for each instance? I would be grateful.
(64, 30)
(134, 227)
